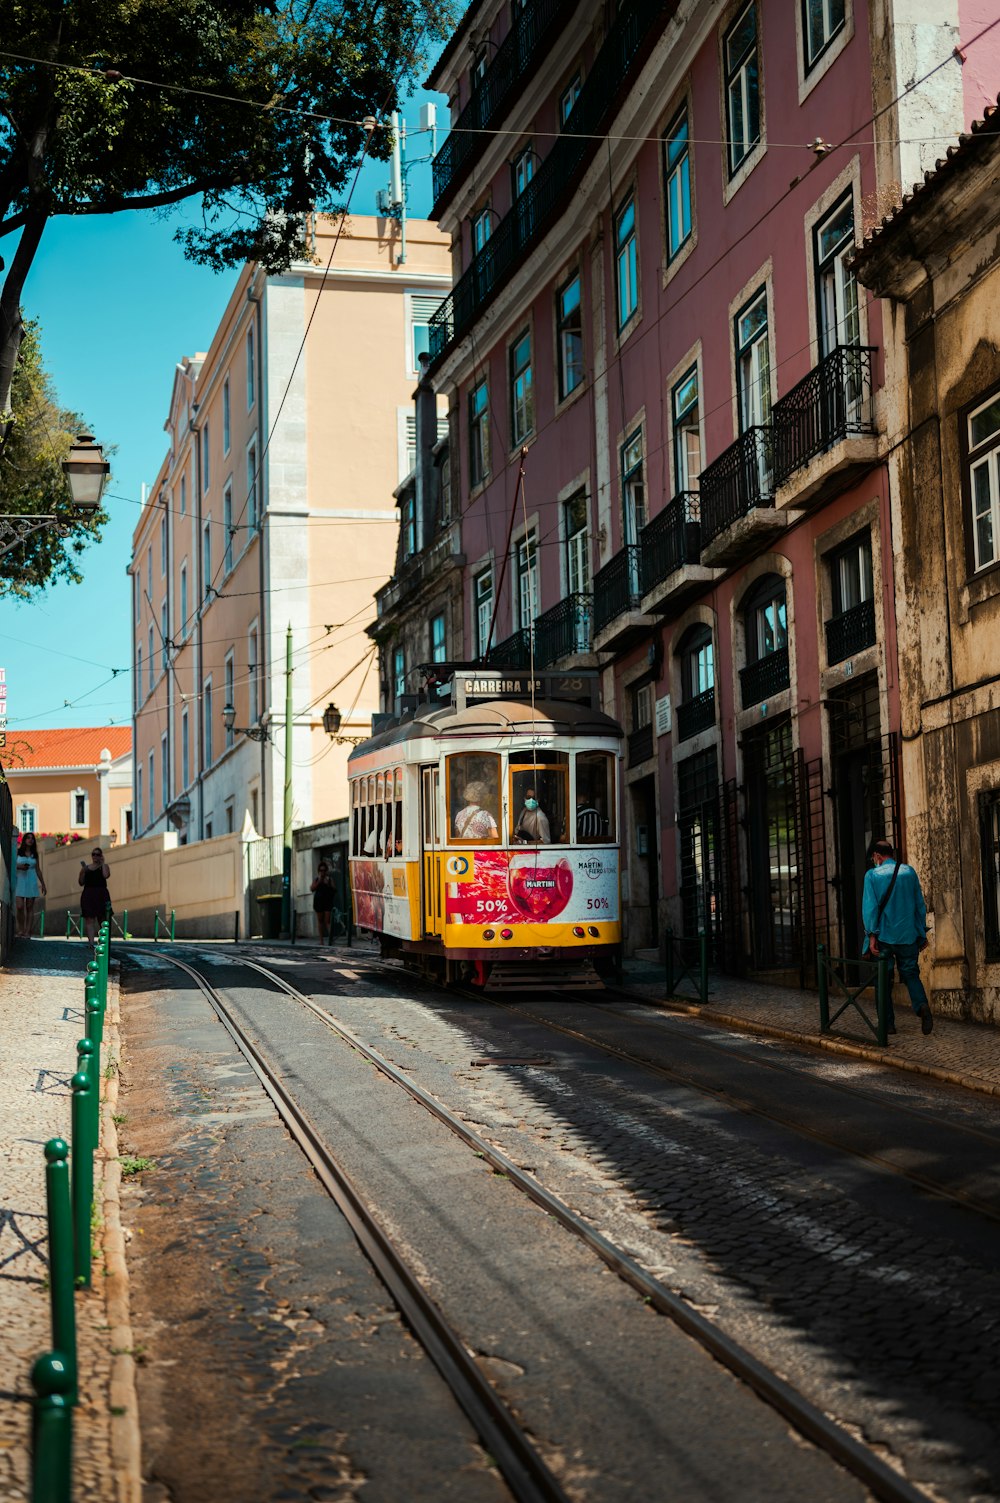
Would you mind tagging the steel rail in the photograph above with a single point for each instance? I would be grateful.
(524, 1471)
(884, 1482)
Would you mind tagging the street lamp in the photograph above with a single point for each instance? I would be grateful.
(332, 721)
(86, 471)
(252, 732)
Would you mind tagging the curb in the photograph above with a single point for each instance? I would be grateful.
(822, 1041)
(123, 1400)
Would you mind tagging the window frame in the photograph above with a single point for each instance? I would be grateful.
(185, 750)
(682, 164)
(627, 472)
(164, 772)
(565, 327)
(399, 672)
(860, 544)
(252, 493)
(479, 434)
(227, 418)
(526, 551)
(206, 721)
(32, 811)
(79, 821)
(764, 592)
(988, 808)
(695, 664)
(479, 600)
(973, 457)
(250, 349)
(627, 255)
(436, 655)
(228, 530)
(746, 349)
(229, 694)
(206, 460)
(521, 388)
(480, 221)
(809, 62)
(574, 86)
(731, 74)
(679, 430)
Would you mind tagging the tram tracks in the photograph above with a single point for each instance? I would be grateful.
(525, 1472)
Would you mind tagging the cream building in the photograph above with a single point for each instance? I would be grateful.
(271, 510)
(75, 781)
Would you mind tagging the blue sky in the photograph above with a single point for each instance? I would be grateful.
(119, 306)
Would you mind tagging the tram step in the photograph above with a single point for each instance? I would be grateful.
(545, 976)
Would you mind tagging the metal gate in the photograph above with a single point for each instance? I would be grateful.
(732, 948)
(698, 838)
(262, 864)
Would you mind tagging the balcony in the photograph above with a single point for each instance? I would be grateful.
(640, 745)
(513, 652)
(671, 555)
(564, 631)
(850, 633)
(824, 428)
(551, 189)
(761, 680)
(618, 616)
(737, 501)
(694, 715)
(514, 62)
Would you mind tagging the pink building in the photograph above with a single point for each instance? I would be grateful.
(668, 448)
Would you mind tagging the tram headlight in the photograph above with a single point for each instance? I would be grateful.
(593, 931)
(489, 934)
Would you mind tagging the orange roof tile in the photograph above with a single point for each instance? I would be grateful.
(76, 746)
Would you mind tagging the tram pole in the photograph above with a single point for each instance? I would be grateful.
(286, 854)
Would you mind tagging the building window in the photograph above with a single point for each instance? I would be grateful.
(838, 320)
(251, 370)
(138, 796)
(408, 522)
(206, 554)
(227, 527)
(252, 485)
(526, 570)
(206, 718)
(163, 548)
(753, 363)
(164, 634)
(742, 67)
(697, 662)
(482, 228)
(633, 487)
(765, 618)
(569, 336)
(568, 98)
(185, 751)
(164, 773)
(577, 560)
(149, 576)
(439, 646)
(151, 787)
(677, 183)
(253, 698)
(478, 70)
(78, 815)
(422, 309)
(138, 676)
(483, 604)
(989, 828)
(230, 682)
(184, 495)
(983, 437)
(685, 411)
(851, 581)
(625, 262)
(522, 407)
(399, 672)
(205, 468)
(479, 434)
(821, 22)
(226, 417)
(27, 815)
(149, 663)
(522, 170)
(182, 624)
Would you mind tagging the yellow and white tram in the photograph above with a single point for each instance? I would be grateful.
(484, 832)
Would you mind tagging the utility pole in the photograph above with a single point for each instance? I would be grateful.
(286, 858)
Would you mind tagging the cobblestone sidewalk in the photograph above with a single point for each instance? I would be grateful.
(41, 1019)
(966, 1054)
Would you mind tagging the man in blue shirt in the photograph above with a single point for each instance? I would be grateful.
(900, 929)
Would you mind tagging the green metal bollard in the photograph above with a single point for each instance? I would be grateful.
(670, 962)
(173, 923)
(156, 925)
(68, 922)
(88, 1060)
(703, 967)
(41, 924)
(882, 1001)
(823, 981)
(60, 1220)
(82, 1176)
(124, 923)
(52, 1429)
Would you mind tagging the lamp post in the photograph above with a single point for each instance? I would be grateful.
(260, 732)
(86, 472)
(332, 721)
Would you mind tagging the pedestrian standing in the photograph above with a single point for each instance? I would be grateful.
(28, 883)
(323, 900)
(95, 900)
(895, 919)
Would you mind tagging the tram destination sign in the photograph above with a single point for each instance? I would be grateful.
(474, 685)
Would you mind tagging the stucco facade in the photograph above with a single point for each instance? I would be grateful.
(75, 781)
(273, 509)
(935, 264)
(654, 314)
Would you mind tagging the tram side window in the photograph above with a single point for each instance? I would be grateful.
(397, 816)
(595, 798)
(474, 798)
(356, 836)
(374, 826)
(539, 799)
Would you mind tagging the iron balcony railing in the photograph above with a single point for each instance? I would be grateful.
(618, 586)
(640, 745)
(563, 630)
(513, 652)
(769, 675)
(551, 188)
(671, 539)
(735, 483)
(834, 400)
(517, 57)
(697, 714)
(850, 632)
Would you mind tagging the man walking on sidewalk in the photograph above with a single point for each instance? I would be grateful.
(895, 919)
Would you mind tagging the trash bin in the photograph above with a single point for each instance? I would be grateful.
(270, 915)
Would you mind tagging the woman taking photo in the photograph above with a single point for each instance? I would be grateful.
(28, 883)
(95, 899)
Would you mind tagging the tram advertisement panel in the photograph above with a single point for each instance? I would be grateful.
(531, 887)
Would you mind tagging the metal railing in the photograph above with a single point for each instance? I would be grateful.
(640, 745)
(514, 61)
(564, 629)
(850, 632)
(694, 715)
(618, 586)
(769, 675)
(513, 652)
(671, 539)
(687, 962)
(850, 978)
(834, 400)
(736, 482)
(552, 186)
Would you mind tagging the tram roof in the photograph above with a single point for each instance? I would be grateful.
(496, 717)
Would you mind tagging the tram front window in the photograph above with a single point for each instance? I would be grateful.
(474, 798)
(539, 797)
(595, 798)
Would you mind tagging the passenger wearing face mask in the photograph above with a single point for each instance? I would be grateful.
(532, 826)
